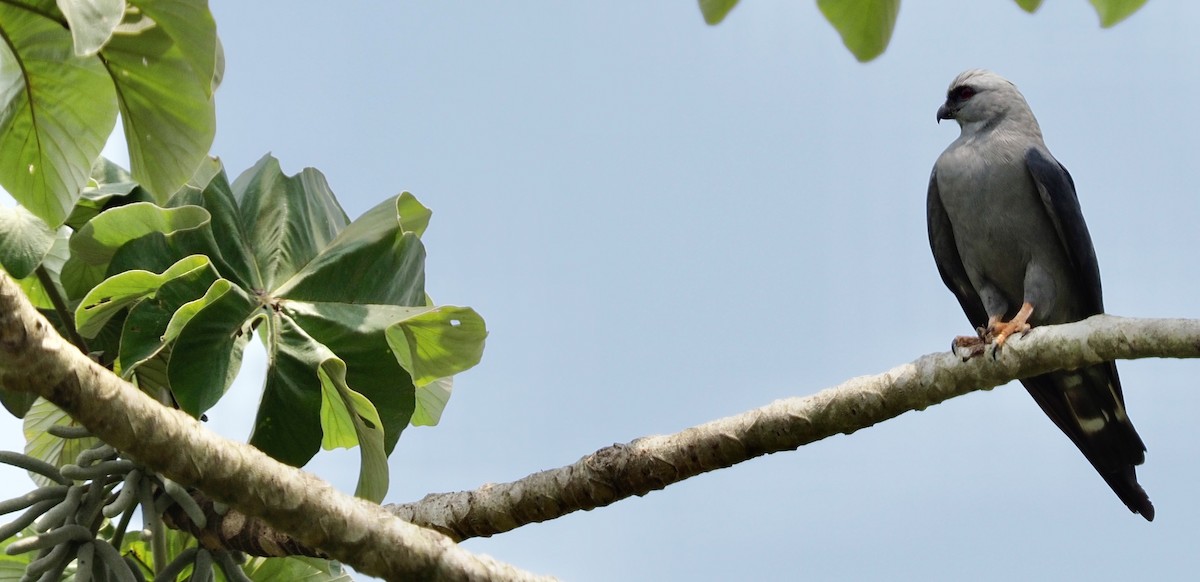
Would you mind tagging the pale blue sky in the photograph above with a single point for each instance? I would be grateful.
(666, 223)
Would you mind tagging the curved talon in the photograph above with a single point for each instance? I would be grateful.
(971, 345)
(996, 333)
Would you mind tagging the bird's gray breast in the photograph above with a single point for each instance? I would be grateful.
(1004, 234)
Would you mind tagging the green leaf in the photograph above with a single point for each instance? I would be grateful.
(41, 444)
(91, 22)
(208, 352)
(288, 424)
(17, 402)
(294, 569)
(439, 342)
(52, 262)
(56, 112)
(124, 289)
(166, 104)
(210, 189)
(714, 11)
(24, 241)
(348, 419)
(1029, 5)
(94, 246)
(109, 184)
(287, 220)
(1114, 11)
(191, 26)
(414, 216)
(372, 261)
(431, 401)
(865, 25)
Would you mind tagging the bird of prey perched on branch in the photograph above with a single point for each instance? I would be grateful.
(1010, 242)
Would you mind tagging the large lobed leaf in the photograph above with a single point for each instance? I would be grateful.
(56, 111)
(340, 306)
(163, 61)
(66, 68)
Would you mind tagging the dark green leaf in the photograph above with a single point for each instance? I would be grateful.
(208, 352)
(146, 331)
(210, 189)
(288, 424)
(714, 11)
(24, 241)
(124, 289)
(56, 112)
(865, 25)
(94, 246)
(373, 261)
(287, 219)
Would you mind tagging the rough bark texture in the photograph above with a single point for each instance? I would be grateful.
(34, 358)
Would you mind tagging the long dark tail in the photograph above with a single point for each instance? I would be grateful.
(1087, 404)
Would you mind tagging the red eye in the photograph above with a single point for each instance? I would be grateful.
(965, 93)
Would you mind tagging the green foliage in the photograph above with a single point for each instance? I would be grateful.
(67, 67)
(1114, 11)
(184, 286)
(24, 241)
(866, 25)
(714, 11)
(164, 273)
(58, 109)
(169, 295)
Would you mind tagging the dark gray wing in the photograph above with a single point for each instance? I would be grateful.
(1076, 400)
(1057, 190)
(945, 254)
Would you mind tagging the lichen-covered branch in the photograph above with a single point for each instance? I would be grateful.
(646, 464)
(34, 358)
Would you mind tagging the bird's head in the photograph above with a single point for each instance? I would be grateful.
(979, 97)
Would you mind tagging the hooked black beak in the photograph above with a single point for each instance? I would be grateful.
(946, 111)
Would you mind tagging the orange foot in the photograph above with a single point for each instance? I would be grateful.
(996, 333)
(1000, 331)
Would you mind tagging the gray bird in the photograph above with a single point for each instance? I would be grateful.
(1010, 242)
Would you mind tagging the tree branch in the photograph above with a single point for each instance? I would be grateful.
(34, 358)
(647, 464)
